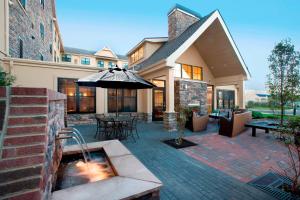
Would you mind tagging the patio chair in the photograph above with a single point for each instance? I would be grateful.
(131, 128)
(235, 125)
(199, 122)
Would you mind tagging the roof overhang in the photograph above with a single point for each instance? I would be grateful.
(216, 24)
(152, 40)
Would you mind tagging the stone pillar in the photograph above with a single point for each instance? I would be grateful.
(169, 114)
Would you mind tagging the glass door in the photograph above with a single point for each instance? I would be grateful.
(210, 98)
(159, 100)
(225, 99)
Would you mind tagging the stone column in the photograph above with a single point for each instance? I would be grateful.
(170, 115)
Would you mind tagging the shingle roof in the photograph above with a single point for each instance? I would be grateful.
(169, 47)
(78, 51)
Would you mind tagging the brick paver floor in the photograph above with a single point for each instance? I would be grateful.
(243, 157)
(183, 177)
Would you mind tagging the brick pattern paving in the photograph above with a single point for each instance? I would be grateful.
(183, 176)
(243, 157)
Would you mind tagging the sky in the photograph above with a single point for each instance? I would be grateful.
(256, 25)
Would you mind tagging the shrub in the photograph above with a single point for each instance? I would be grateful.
(257, 115)
(6, 79)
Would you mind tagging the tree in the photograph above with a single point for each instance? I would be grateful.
(284, 78)
(6, 79)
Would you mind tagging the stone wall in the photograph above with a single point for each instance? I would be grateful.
(188, 92)
(25, 24)
(178, 22)
(30, 155)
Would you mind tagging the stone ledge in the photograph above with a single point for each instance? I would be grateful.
(133, 179)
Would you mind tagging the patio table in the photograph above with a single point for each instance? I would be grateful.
(118, 124)
(264, 125)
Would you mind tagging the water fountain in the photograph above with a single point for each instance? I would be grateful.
(81, 168)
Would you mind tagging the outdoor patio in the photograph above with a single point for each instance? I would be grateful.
(217, 168)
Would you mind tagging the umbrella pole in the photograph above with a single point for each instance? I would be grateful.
(117, 103)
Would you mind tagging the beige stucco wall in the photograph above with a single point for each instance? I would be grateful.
(4, 49)
(192, 57)
(149, 49)
(45, 74)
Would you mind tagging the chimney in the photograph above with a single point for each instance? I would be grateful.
(179, 19)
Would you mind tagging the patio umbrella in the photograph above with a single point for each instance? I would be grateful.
(115, 78)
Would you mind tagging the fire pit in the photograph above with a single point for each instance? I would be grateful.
(73, 170)
(112, 173)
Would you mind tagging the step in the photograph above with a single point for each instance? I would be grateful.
(28, 139)
(33, 194)
(29, 91)
(27, 120)
(28, 110)
(24, 161)
(19, 173)
(26, 129)
(27, 183)
(14, 152)
(28, 100)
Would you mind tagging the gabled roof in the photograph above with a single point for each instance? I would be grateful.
(171, 50)
(73, 50)
(149, 39)
(169, 47)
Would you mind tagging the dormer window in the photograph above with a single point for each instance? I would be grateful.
(137, 55)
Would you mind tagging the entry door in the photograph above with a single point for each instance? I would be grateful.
(159, 100)
(225, 99)
(210, 98)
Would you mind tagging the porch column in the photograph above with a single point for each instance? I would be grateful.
(169, 114)
(148, 105)
(241, 94)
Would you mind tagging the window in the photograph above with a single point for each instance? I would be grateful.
(85, 61)
(100, 63)
(43, 3)
(42, 31)
(57, 59)
(186, 71)
(66, 58)
(51, 25)
(137, 55)
(79, 99)
(41, 57)
(189, 72)
(225, 99)
(127, 100)
(54, 56)
(125, 66)
(51, 49)
(21, 53)
(111, 64)
(23, 3)
(197, 73)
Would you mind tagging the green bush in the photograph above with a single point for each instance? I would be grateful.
(6, 79)
(257, 115)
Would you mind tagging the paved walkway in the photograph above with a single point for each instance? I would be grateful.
(243, 157)
(183, 177)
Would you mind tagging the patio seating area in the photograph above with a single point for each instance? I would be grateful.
(195, 172)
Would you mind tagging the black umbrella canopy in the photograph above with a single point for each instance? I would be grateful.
(115, 78)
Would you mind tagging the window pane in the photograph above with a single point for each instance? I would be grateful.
(87, 99)
(197, 73)
(66, 57)
(126, 100)
(186, 71)
(100, 63)
(159, 83)
(68, 87)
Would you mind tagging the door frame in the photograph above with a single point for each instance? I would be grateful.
(153, 101)
(213, 97)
